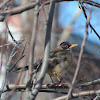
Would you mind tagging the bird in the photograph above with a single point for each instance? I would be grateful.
(60, 60)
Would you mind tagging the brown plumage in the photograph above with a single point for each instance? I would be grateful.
(59, 63)
(60, 60)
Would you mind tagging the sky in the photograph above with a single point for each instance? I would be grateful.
(66, 12)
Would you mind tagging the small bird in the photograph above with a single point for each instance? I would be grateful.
(60, 60)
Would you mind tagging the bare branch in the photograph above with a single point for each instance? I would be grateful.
(19, 88)
(90, 2)
(90, 23)
(83, 93)
(80, 56)
(5, 45)
(17, 10)
(22, 56)
(22, 88)
(8, 65)
(46, 54)
(94, 82)
(31, 5)
(33, 41)
(10, 32)
(4, 3)
(45, 88)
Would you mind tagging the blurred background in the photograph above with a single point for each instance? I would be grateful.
(68, 24)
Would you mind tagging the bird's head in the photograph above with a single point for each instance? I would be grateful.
(66, 45)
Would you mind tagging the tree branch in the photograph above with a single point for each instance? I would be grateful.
(46, 54)
(8, 66)
(31, 5)
(83, 93)
(45, 88)
(90, 23)
(80, 56)
(94, 82)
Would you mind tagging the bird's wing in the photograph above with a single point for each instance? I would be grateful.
(54, 61)
(53, 52)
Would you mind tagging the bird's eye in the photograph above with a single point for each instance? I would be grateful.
(66, 46)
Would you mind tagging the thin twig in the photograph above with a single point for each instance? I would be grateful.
(94, 82)
(22, 56)
(80, 56)
(14, 89)
(33, 41)
(90, 23)
(5, 45)
(90, 2)
(83, 93)
(8, 65)
(4, 3)
(16, 63)
(10, 32)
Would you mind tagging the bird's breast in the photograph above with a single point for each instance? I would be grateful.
(63, 62)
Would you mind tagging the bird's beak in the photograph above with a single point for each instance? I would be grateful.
(73, 45)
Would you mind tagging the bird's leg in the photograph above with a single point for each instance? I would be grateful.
(51, 79)
(60, 83)
(53, 83)
(58, 78)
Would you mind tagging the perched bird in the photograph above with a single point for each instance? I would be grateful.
(60, 60)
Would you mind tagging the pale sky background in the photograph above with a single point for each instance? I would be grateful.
(66, 12)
